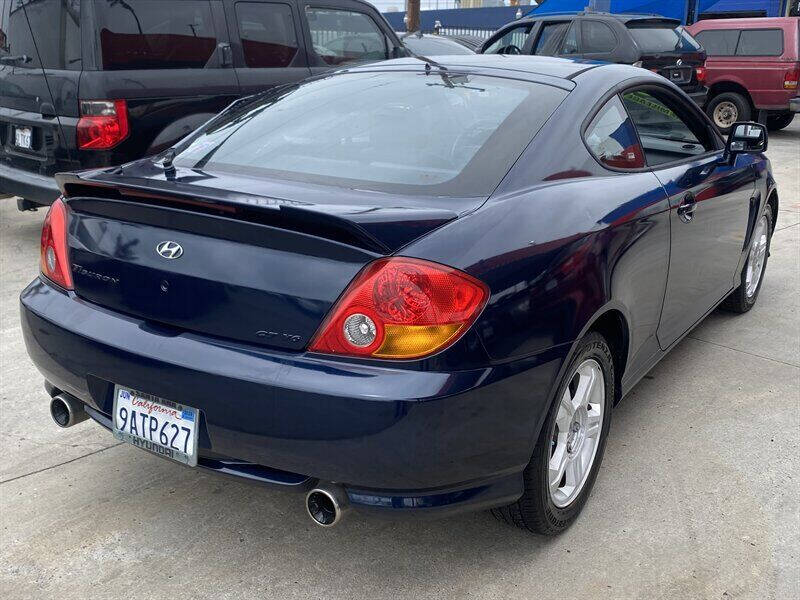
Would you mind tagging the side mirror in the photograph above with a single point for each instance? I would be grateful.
(746, 137)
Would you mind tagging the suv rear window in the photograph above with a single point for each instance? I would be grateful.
(56, 26)
(154, 34)
(652, 38)
(443, 134)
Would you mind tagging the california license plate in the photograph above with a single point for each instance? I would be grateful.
(22, 137)
(155, 424)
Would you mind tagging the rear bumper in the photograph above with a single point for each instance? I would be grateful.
(39, 189)
(399, 440)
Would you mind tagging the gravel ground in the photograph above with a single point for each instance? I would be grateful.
(698, 495)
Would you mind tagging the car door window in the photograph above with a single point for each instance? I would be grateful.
(570, 45)
(719, 42)
(344, 36)
(612, 139)
(511, 42)
(665, 135)
(549, 38)
(597, 37)
(760, 42)
(267, 33)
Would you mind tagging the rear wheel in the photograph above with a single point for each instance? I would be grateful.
(570, 447)
(727, 108)
(779, 121)
(744, 297)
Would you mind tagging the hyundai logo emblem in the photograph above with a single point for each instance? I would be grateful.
(679, 62)
(170, 250)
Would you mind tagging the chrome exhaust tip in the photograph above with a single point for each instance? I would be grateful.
(67, 411)
(326, 504)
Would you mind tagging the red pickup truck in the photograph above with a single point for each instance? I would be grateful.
(752, 65)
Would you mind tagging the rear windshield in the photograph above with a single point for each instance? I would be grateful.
(443, 133)
(427, 46)
(651, 38)
(154, 34)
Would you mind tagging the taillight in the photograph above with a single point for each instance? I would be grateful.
(700, 74)
(54, 252)
(401, 308)
(103, 124)
(790, 79)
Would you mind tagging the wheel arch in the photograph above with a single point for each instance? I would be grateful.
(721, 87)
(772, 202)
(612, 324)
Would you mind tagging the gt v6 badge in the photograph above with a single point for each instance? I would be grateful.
(289, 337)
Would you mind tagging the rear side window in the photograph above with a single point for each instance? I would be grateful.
(760, 42)
(719, 42)
(611, 137)
(267, 33)
(154, 34)
(598, 37)
(56, 25)
(511, 42)
(570, 45)
(344, 36)
(549, 38)
(662, 39)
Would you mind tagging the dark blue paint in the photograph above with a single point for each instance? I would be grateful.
(560, 243)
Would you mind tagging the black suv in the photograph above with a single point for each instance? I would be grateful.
(650, 41)
(94, 83)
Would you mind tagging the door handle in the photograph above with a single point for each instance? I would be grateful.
(226, 56)
(686, 207)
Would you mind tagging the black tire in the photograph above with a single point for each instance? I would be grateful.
(732, 107)
(738, 300)
(780, 121)
(535, 510)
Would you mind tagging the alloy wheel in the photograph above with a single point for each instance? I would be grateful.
(576, 436)
(757, 257)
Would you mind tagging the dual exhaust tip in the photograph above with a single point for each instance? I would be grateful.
(326, 504)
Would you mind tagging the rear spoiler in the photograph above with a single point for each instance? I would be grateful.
(371, 228)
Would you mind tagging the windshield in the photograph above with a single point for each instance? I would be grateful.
(443, 133)
(663, 39)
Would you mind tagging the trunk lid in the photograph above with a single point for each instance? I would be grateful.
(667, 48)
(252, 268)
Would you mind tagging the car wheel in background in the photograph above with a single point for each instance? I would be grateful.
(727, 108)
(570, 447)
(779, 121)
(744, 297)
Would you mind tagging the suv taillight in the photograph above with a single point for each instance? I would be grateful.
(54, 251)
(400, 308)
(103, 124)
(790, 79)
(700, 74)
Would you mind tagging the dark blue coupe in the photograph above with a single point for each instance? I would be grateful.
(415, 287)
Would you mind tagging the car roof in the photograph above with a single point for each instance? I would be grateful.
(623, 17)
(743, 23)
(560, 72)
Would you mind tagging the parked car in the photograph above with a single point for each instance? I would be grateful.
(656, 43)
(108, 82)
(426, 282)
(753, 65)
(426, 44)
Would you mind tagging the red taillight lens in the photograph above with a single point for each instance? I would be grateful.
(700, 74)
(54, 251)
(790, 79)
(401, 308)
(103, 124)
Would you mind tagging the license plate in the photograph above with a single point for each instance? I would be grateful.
(22, 137)
(678, 75)
(155, 424)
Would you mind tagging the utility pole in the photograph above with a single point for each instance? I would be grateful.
(412, 13)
